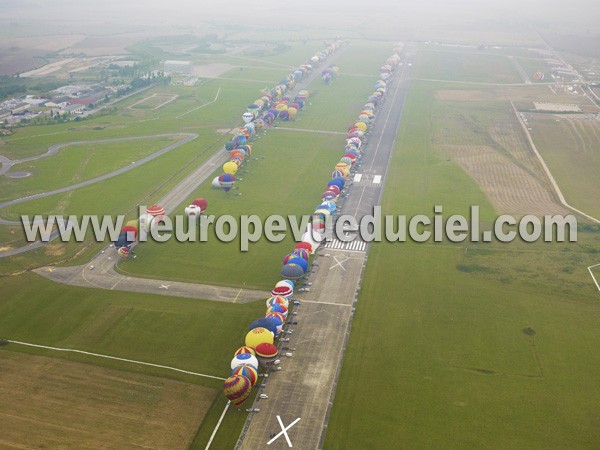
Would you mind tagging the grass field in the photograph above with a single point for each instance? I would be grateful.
(466, 66)
(570, 148)
(77, 163)
(466, 346)
(286, 175)
(193, 335)
(56, 403)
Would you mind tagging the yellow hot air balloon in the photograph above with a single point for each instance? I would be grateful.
(342, 166)
(292, 112)
(230, 167)
(361, 126)
(281, 106)
(257, 336)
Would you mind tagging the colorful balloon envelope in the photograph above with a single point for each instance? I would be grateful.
(201, 203)
(226, 181)
(277, 308)
(243, 350)
(230, 167)
(283, 291)
(277, 300)
(285, 283)
(193, 211)
(342, 166)
(237, 389)
(287, 257)
(244, 359)
(299, 261)
(266, 355)
(155, 210)
(305, 245)
(301, 253)
(361, 126)
(292, 271)
(276, 315)
(264, 323)
(123, 252)
(246, 371)
(258, 336)
(346, 160)
(334, 188)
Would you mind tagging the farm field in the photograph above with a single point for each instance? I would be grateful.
(466, 66)
(570, 147)
(481, 343)
(57, 402)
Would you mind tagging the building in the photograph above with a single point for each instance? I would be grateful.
(173, 66)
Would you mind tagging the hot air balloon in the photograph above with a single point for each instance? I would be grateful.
(292, 271)
(285, 283)
(123, 252)
(216, 183)
(283, 291)
(244, 349)
(244, 359)
(237, 389)
(277, 299)
(300, 262)
(277, 308)
(249, 372)
(258, 336)
(156, 211)
(201, 203)
(266, 355)
(301, 253)
(230, 167)
(264, 323)
(276, 315)
(305, 245)
(226, 181)
(248, 117)
(193, 210)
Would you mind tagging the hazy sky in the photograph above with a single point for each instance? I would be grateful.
(265, 13)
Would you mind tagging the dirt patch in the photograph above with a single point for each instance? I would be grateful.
(508, 186)
(55, 249)
(65, 404)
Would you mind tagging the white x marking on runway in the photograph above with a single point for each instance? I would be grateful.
(284, 431)
(339, 263)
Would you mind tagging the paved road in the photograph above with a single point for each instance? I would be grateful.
(100, 271)
(306, 385)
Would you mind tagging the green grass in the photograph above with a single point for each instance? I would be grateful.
(286, 175)
(470, 67)
(570, 149)
(77, 163)
(532, 65)
(437, 357)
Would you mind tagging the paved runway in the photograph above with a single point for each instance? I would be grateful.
(305, 386)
